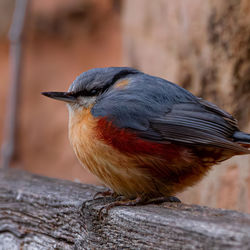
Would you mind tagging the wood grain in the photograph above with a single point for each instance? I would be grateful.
(43, 213)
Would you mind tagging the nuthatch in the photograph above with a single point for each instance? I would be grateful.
(145, 137)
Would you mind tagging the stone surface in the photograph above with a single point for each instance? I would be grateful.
(205, 47)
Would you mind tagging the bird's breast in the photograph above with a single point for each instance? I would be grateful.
(127, 164)
(117, 170)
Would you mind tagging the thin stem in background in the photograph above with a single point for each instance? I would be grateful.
(15, 37)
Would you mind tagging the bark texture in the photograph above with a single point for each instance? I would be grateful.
(42, 213)
(205, 47)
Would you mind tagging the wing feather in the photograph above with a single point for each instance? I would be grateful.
(193, 124)
(161, 111)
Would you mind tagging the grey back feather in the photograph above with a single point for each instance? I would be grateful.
(161, 111)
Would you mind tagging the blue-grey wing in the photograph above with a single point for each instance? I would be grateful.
(161, 111)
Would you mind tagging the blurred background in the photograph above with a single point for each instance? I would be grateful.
(203, 46)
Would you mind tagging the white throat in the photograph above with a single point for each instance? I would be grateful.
(82, 103)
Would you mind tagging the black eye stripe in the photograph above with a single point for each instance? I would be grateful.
(102, 87)
(92, 92)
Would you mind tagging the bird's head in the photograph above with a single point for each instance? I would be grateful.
(88, 86)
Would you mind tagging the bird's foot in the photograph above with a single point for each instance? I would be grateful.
(140, 200)
(124, 202)
(107, 193)
(160, 200)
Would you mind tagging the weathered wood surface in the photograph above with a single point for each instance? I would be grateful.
(42, 213)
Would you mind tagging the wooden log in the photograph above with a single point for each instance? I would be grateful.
(43, 213)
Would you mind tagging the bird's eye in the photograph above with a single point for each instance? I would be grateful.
(93, 92)
(85, 92)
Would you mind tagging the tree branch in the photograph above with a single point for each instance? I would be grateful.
(48, 213)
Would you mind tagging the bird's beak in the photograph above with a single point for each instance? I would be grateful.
(61, 96)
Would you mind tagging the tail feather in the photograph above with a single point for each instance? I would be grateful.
(242, 138)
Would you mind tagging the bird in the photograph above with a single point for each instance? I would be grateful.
(144, 137)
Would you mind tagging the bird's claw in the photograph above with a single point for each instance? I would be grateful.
(160, 200)
(124, 202)
(138, 201)
(106, 193)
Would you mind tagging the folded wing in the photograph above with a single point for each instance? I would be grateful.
(194, 124)
(160, 111)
